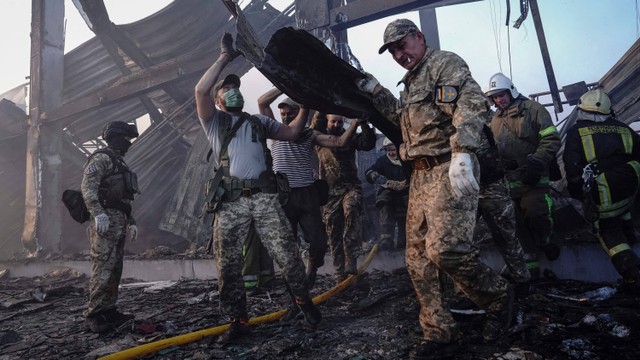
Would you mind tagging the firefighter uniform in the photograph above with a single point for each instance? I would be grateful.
(528, 141)
(607, 152)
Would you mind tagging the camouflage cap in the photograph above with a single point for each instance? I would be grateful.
(395, 31)
(229, 79)
(288, 102)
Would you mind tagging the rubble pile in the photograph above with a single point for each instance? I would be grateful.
(375, 318)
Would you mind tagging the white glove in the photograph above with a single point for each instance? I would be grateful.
(367, 84)
(133, 231)
(461, 175)
(102, 223)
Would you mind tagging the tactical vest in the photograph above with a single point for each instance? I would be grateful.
(121, 184)
(229, 188)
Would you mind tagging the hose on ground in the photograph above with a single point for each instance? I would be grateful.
(183, 339)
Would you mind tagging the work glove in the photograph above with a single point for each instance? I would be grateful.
(380, 179)
(367, 84)
(226, 46)
(102, 223)
(461, 175)
(533, 171)
(396, 185)
(133, 231)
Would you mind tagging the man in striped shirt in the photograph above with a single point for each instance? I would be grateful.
(295, 159)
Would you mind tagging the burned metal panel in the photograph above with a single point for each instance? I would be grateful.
(312, 14)
(189, 221)
(622, 83)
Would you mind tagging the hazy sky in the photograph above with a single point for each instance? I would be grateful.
(585, 39)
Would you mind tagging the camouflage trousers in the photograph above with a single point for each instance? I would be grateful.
(342, 216)
(258, 265)
(440, 241)
(230, 229)
(497, 209)
(392, 214)
(107, 254)
(533, 219)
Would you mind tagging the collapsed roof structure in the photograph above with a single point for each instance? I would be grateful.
(151, 67)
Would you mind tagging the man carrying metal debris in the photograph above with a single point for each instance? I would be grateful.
(602, 162)
(295, 158)
(246, 191)
(441, 114)
(108, 188)
(528, 142)
(342, 214)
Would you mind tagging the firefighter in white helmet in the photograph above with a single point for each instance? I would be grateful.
(602, 161)
(528, 141)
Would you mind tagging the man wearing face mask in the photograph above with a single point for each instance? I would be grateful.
(248, 187)
(343, 212)
(392, 196)
(441, 114)
(295, 158)
(108, 188)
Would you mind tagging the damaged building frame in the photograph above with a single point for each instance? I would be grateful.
(150, 67)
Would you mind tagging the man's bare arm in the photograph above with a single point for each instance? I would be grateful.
(292, 131)
(265, 100)
(332, 141)
(204, 100)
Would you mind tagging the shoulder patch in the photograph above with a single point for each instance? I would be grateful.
(91, 169)
(446, 94)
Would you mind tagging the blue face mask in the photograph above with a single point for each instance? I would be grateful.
(233, 99)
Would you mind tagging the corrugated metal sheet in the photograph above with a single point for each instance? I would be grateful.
(622, 83)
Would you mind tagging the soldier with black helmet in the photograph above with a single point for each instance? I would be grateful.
(108, 188)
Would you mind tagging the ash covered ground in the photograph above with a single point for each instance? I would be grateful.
(375, 318)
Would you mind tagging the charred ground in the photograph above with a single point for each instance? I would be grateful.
(375, 318)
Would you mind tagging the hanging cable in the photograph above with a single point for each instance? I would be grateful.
(496, 32)
(506, 23)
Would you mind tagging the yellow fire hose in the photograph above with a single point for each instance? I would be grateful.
(155, 346)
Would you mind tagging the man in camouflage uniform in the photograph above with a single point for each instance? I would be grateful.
(250, 197)
(528, 142)
(108, 187)
(441, 114)
(343, 212)
(497, 209)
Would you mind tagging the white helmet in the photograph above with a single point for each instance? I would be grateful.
(596, 101)
(499, 82)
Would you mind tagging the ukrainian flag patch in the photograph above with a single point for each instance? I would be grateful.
(446, 94)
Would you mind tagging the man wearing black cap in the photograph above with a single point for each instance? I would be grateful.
(248, 188)
(441, 114)
(108, 188)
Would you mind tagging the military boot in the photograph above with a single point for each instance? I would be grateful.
(497, 323)
(237, 330)
(312, 315)
(98, 323)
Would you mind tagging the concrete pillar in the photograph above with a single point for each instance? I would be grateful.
(43, 208)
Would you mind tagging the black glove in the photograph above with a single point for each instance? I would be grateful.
(533, 171)
(226, 46)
